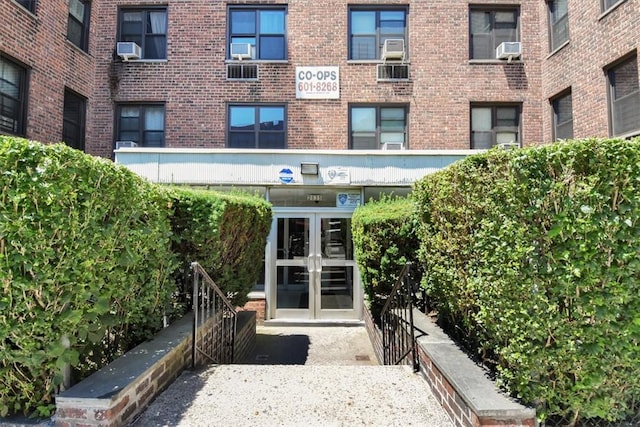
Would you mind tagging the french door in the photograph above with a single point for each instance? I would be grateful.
(315, 274)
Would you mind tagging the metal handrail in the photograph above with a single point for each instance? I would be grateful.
(209, 301)
(398, 329)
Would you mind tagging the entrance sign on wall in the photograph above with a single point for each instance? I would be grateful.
(318, 82)
(348, 200)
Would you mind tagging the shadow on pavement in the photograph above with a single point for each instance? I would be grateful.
(279, 350)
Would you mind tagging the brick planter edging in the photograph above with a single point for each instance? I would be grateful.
(461, 387)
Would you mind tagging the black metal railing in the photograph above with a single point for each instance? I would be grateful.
(210, 305)
(396, 319)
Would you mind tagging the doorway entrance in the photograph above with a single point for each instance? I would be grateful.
(315, 273)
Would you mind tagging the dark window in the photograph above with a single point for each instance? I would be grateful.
(146, 28)
(562, 116)
(13, 93)
(494, 124)
(558, 23)
(257, 126)
(373, 127)
(608, 4)
(78, 25)
(263, 28)
(30, 5)
(73, 120)
(489, 28)
(624, 97)
(142, 124)
(369, 28)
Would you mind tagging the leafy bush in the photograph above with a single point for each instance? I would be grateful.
(85, 254)
(385, 239)
(534, 255)
(226, 233)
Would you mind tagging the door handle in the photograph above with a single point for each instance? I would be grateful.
(319, 263)
(310, 264)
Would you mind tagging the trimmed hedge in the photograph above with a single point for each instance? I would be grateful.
(85, 253)
(534, 254)
(385, 238)
(226, 233)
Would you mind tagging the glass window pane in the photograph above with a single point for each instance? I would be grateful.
(271, 118)
(481, 140)
(157, 23)
(242, 118)
(392, 22)
(272, 47)
(563, 109)
(131, 23)
(130, 112)
(397, 137)
(506, 116)
(153, 139)
(271, 140)
(363, 119)
(271, 22)
(480, 22)
(129, 136)
(154, 118)
(625, 79)
(243, 22)
(558, 9)
(392, 113)
(74, 32)
(363, 22)
(242, 140)
(155, 47)
(481, 119)
(505, 18)
(364, 141)
(76, 9)
(364, 48)
(506, 137)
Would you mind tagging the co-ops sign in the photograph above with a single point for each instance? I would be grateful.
(317, 83)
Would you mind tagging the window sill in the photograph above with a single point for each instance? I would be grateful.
(610, 10)
(256, 61)
(494, 61)
(558, 49)
(145, 61)
(77, 48)
(628, 135)
(376, 62)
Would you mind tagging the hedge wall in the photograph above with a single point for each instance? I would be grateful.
(226, 233)
(534, 254)
(385, 238)
(85, 248)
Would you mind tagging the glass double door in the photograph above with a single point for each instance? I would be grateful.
(315, 274)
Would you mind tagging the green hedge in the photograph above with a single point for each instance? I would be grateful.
(385, 238)
(534, 254)
(226, 233)
(85, 248)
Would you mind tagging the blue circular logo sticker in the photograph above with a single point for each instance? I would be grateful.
(286, 176)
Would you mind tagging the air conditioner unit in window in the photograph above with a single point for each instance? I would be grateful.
(128, 50)
(509, 50)
(393, 49)
(125, 144)
(393, 146)
(241, 51)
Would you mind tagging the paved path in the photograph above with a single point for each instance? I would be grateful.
(300, 376)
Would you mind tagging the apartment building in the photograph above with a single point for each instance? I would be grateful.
(318, 106)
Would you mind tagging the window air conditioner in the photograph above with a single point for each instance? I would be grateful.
(128, 50)
(393, 49)
(509, 50)
(241, 51)
(125, 144)
(393, 146)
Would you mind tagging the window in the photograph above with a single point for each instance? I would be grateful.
(494, 124)
(377, 127)
(624, 97)
(142, 124)
(73, 120)
(562, 116)
(489, 28)
(369, 28)
(608, 4)
(257, 126)
(30, 5)
(13, 93)
(147, 28)
(558, 23)
(78, 25)
(263, 28)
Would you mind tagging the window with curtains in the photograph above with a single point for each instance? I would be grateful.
(73, 120)
(30, 5)
(78, 24)
(490, 27)
(558, 23)
(13, 97)
(147, 28)
(142, 124)
(263, 28)
(493, 124)
(369, 28)
(257, 126)
(624, 97)
(374, 127)
(562, 116)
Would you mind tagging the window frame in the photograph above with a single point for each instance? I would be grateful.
(256, 34)
(378, 125)
(555, 44)
(144, 35)
(606, 6)
(633, 96)
(142, 128)
(555, 115)
(377, 9)
(256, 127)
(83, 43)
(492, 9)
(495, 129)
(79, 122)
(20, 118)
(29, 5)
